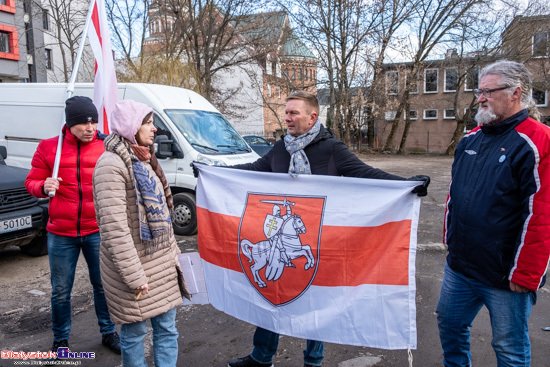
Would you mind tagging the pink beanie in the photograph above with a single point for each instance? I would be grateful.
(127, 117)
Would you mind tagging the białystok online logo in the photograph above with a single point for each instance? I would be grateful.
(62, 354)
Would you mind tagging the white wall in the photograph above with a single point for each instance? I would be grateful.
(240, 98)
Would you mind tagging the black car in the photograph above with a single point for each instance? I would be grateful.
(23, 217)
(258, 144)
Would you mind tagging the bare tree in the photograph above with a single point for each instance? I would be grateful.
(215, 35)
(337, 30)
(393, 14)
(64, 28)
(433, 21)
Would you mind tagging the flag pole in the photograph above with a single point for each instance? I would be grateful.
(69, 92)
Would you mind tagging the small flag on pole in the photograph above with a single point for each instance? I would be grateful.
(105, 83)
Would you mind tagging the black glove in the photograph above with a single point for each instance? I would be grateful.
(195, 169)
(420, 190)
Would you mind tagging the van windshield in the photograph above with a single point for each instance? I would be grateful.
(208, 132)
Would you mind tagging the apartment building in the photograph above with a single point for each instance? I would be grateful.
(30, 47)
(22, 56)
(442, 94)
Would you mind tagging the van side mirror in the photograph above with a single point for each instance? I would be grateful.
(3, 152)
(166, 148)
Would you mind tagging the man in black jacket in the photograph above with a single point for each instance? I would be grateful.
(308, 148)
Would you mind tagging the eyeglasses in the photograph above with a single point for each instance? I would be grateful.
(487, 92)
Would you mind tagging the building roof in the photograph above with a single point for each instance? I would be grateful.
(294, 47)
(273, 28)
(267, 26)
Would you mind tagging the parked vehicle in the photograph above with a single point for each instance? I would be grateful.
(23, 217)
(189, 129)
(259, 144)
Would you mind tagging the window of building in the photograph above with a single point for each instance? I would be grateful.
(451, 79)
(540, 44)
(48, 55)
(28, 37)
(449, 114)
(30, 79)
(390, 115)
(430, 80)
(540, 96)
(293, 76)
(4, 42)
(9, 47)
(300, 74)
(279, 92)
(472, 79)
(269, 90)
(274, 68)
(471, 122)
(430, 114)
(8, 6)
(413, 115)
(45, 20)
(392, 82)
(413, 88)
(285, 73)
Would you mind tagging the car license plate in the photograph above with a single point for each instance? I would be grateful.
(15, 224)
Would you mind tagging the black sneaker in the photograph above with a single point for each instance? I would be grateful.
(55, 346)
(247, 362)
(112, 342)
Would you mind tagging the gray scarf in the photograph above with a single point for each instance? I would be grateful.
(299, 164)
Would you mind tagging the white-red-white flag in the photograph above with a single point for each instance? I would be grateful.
(105, 83)
(316, 257)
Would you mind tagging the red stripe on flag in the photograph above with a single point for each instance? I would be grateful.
(105, 122)
(217, 235)
(95, 22)
(373, 255)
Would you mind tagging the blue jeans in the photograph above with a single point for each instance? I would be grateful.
(461, 299)
(63, 253)
(266, 343)
(165, 341)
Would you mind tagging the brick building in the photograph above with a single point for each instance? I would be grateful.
(443, 93)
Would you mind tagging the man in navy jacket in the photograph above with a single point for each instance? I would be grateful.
(308, 148)
(497, 222)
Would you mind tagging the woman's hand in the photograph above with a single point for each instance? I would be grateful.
(144, 289)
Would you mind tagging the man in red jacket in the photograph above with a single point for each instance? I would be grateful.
(72, 226)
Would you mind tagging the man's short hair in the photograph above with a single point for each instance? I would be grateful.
(514, 74)
(309, 98)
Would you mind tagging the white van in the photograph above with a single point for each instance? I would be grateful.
(189, 129)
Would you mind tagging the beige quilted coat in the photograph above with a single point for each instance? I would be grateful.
(123, 263)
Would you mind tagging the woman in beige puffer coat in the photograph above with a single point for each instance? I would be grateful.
(138, 255)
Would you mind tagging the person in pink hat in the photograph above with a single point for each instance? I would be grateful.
(138, 254)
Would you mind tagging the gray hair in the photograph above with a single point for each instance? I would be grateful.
(514, 74)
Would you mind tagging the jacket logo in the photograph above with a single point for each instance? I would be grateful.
(278, 248)
(470, 152)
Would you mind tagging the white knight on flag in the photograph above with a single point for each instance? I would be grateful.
(316, 257)
(105, 83)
